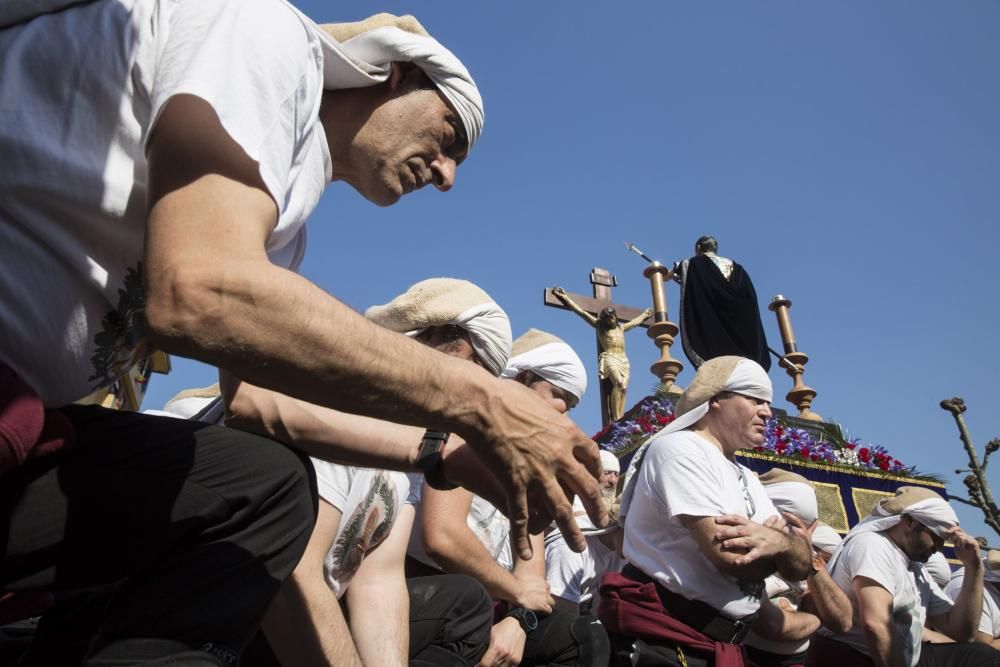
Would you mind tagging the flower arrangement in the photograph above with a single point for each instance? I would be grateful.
(644, 419)
(782, 440)
(796, 443)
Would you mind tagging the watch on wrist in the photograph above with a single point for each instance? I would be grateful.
(429, 460)
(527, 619)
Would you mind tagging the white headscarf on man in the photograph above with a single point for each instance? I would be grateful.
(548, 357)
(444, 301)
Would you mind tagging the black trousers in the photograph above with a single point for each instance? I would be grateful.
(188, 530)
(958, 655)
(568, 641)
(450, 620)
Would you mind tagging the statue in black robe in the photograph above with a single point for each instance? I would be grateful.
(719, 311)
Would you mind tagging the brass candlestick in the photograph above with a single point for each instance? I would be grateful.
(662, 331)
(800, 396)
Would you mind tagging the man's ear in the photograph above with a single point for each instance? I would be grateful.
(399, 73)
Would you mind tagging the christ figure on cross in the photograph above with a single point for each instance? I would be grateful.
(612, 364)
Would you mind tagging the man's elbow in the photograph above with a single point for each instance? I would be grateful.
(839, 623)
(438, 544)
(183, 310)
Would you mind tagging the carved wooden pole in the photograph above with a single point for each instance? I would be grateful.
(793, 362)
(662, 331)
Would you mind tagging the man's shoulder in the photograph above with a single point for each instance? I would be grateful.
(681, 444)
(872, 548)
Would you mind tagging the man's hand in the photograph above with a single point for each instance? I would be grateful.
(541, 459)
(534, 594)
(506, 644)
(463, 466)
(966, 547)
(559, 293)
(755, 540)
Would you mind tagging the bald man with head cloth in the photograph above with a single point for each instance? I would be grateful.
(699, 526)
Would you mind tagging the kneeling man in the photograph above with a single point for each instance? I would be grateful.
(700, 526)
(881, 565)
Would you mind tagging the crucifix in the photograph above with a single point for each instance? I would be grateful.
(610, 321)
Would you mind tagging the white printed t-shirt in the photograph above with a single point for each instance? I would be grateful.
(576, 576)
(915, 596)
(80, 91)
(684, 474)
(369, 501)
(989, 621)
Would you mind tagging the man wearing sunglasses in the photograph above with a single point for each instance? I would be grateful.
(881, 565)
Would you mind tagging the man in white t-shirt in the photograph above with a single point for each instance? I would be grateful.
(463, 533)
(989, 622)
(160, 162)
(881, 567)
(700, 526)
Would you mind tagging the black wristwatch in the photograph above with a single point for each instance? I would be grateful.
(526, 618)
(429, 460)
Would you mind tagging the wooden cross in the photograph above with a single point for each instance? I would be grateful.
(603, 281)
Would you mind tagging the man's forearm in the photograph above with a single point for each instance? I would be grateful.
(794, 561)
(327, 434)
(963, 619)
(830, 603)
(274, 329)
(379, 621)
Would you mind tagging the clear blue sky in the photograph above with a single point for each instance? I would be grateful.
(847, 154)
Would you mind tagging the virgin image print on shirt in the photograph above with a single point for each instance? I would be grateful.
(365, 529)
(121, 342)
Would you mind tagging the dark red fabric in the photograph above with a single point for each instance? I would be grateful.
(633, 609)
(27, 428)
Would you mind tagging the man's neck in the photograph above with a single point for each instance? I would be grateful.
(705, 431)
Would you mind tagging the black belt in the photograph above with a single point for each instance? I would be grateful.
(703, 617)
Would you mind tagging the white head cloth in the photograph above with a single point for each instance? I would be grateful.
(791, 493)
(444, 301)
(549, 358)
(825, 538)
(609, 462)
(736, 374)
(940, 571)
(357, 55)
(991, 566)
(927, 507)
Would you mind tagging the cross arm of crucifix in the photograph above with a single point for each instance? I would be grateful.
(560, 294)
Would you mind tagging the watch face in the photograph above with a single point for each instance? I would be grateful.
(530, 619)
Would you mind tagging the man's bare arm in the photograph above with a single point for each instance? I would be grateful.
(827, 600)
(453, 545)
(790, 552)
(213, 295)
(705, 530)
(377, 599)
(875, 613)
(304, 624)
(774, 622)
(961, 623)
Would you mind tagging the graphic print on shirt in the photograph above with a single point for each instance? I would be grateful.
(367, 526)
(121, 342)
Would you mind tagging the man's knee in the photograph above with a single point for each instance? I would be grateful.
(593, 642)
